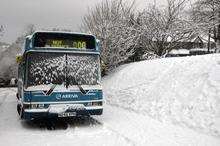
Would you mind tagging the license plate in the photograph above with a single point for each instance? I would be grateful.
(68, 114)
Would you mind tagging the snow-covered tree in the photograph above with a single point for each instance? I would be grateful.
(28, 30)
(8, 65)
(163, 27)
(60, 29)
(206, 18)
(111, 22)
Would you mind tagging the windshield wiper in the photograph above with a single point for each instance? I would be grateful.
(74, 78)
(48, 92)
(75, 82)
(79, 86)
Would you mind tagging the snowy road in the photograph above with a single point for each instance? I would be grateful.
(117, 126)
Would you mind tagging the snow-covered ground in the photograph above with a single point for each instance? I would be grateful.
(170, 101)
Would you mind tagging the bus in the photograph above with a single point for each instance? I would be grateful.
(59, 76)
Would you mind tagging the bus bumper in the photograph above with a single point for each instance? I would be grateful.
(31, 114)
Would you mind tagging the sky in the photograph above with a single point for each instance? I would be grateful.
(15, 15)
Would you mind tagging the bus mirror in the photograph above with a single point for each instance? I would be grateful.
(103, 68)
(19, 58)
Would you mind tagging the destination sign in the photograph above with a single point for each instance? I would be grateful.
(64, 40)
(66, 44)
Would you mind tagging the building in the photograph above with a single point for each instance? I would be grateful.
(198, 45)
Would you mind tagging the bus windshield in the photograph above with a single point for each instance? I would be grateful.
(60, 68)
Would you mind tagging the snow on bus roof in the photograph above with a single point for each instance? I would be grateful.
(63, 32)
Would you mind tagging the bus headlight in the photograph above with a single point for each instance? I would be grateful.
(99, 103)
(96, 103)
(35, 106)
(40, 105)
(89, 104)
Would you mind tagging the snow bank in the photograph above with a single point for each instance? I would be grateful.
(184, 91)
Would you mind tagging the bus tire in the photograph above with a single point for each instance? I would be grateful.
(21, 113)
(17, 96)
(18, 109)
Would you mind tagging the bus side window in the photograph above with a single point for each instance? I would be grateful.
(21, 71)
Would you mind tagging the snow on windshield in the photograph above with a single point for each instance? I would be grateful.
(83, 69)
(45, 68)
(59, 68)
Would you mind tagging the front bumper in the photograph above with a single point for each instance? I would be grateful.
(54, 111)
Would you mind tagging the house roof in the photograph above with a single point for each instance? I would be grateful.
(203, 38)
(179, 51)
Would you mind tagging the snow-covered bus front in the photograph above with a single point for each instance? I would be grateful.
(59, 76)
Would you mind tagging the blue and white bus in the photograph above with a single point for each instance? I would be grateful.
(59, 76)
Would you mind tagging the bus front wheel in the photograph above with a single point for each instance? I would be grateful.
(20, 111)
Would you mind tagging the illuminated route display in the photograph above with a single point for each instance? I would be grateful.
(59, 40)
(66, 44)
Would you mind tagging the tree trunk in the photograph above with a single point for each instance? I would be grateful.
(209, 41)
(160, 50)
(218, 40)
(218, 35)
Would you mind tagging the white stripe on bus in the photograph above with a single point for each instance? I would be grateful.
(58, 102)
(47, 109)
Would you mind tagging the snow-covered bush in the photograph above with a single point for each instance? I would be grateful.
(149, 56)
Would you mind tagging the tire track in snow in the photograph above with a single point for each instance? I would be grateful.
(3, 96)
(3, 99)
(66, 125)
(135, 131)
(131, 142)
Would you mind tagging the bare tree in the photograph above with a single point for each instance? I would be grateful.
(111, 22)
(164, 28)
(206, 18)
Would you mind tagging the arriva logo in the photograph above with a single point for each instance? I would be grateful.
(66, 96)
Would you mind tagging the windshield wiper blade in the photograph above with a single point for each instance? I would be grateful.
(48, 92)
(74, 80)
(81, 89)
(79, 86)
